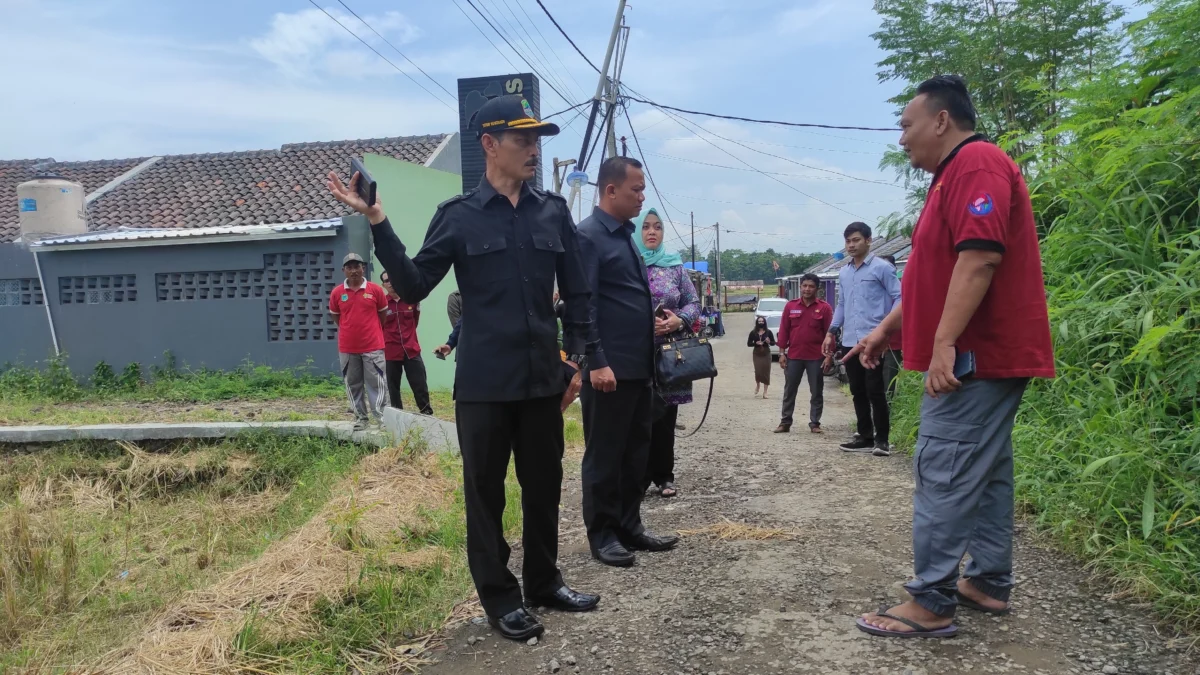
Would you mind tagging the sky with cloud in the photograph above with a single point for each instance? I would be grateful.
(100, 79)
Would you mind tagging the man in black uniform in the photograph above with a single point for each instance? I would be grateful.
(617, 384)
(507, 243)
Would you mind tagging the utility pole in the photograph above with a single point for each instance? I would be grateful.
(693, 240)
(602, 85)
(614, 87)
(719, 290)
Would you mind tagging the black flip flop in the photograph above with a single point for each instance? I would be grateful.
(918, 631)
(964, 601)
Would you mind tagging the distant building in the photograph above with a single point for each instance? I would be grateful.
(829, 268)
(216, 258)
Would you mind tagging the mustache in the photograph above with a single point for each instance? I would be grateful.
(532, 162)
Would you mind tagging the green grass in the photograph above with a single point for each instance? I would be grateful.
(122, 534)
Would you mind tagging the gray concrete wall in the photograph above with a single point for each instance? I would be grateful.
(277, 315)
(24, 330)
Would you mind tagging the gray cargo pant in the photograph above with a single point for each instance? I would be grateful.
(963, 498)
(797, 369)
(365, 372)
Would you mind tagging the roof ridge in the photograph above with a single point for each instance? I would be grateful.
(361, 141)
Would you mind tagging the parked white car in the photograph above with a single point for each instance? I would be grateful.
(772, 309)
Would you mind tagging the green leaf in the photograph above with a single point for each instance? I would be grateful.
(1094, 466)
(1148, 321)
(1148, 510)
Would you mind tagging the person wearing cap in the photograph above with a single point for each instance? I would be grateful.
(360, 307)
(507, 243)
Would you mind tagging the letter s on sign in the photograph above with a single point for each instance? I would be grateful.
(514, 86)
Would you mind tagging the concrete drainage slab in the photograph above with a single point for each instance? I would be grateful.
(397, 424)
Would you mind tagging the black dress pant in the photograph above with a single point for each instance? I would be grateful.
(869, 391)
(532, 431)
(660, 469)
(616, 430)
(415, 369)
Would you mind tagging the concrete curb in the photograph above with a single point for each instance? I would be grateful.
(440, 435)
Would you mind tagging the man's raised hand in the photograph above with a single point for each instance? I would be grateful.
(349, 196)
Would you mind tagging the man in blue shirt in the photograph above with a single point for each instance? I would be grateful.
(868, 289)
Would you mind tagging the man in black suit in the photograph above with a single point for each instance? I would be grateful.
(619, 374)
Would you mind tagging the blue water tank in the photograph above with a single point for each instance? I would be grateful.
(839, 255)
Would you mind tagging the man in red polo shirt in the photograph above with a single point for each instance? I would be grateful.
(359, 307)
(402, 351)
(802, 331)
(974, 303)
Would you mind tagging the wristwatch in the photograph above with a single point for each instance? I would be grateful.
(579, 360)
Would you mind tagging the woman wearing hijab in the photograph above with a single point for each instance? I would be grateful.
(671, 287)
(761, 339)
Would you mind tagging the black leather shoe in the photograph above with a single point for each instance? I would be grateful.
(614, 555)
(517, 625)
(654, 543)
(565, 600)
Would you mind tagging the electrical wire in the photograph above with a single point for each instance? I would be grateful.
(510, 35)
(757, 121)
(485, 36)
(722, 201)
(742, 168)
(568, 37)
(377, 52)
(510, 46)
(784, 145)
(548, 45)
(533, 45)
(792, 161)
(646, 166)
(577, 105)
(757, 170)
(389, 43)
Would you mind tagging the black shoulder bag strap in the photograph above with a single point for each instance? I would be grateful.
(712, 381)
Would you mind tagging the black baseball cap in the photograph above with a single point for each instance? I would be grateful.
(509, 113)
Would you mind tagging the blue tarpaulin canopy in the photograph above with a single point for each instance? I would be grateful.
(701, 266)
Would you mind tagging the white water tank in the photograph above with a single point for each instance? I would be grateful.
(50, 205)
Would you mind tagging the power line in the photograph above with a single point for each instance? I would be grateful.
(722, 201)
(510, 46)
(568, 37)
(755, 121)
(532, 45)
(757, 170)
(785, 145)
(377, 52)
(414, 64)
(548, 45)
(510, 31)
(645, 165)
(577, 105)
(790, 160)
(485, 36)
(741, 168)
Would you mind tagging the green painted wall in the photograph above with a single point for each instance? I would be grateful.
(410, 194)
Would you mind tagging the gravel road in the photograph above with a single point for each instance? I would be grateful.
(732, 605)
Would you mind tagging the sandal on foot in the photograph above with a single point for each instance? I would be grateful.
(964, 601)
(918, 631)
(667, 490)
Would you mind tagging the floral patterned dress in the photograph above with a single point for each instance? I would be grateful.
(673, 288)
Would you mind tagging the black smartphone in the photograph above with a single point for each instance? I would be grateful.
(660, 311)
(366, 187)
(441, 356)
(964, 365)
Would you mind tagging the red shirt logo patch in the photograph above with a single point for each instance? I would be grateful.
(981, 205)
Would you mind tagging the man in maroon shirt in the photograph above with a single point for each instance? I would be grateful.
(402, 351)
(974, 303)
(802, 330)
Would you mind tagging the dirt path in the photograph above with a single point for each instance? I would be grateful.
(730, 606)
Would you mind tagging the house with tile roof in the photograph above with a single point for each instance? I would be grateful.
(216, 258)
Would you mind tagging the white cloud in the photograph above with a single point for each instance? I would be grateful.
(305, 42)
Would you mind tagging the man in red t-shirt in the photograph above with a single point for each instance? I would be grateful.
(359, 307)
(974, 303)
(402, 351)
(802, 331)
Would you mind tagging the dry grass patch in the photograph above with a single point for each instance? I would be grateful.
(729, 530)
(382, 520)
